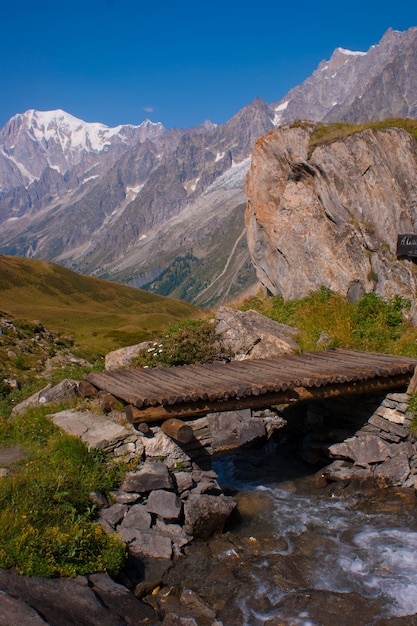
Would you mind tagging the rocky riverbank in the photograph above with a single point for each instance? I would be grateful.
(170, 501)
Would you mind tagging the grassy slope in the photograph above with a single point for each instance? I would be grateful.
(324, 134)
(99, 314)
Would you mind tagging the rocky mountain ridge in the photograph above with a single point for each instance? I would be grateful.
(356, 87)
(164, 208)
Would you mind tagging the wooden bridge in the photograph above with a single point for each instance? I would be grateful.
(194, 390)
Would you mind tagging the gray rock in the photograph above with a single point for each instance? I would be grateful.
(153, 475)
(393, 472)
(249, 334)
(273, 424)
(174, 531)
(391, 414)
(388, 426)
(59, 601)
(128, 450)
(362, 450)
(206, 515)
(342, 470)
(96, 431)
(153, 544)
(97, 498)
(206, 485)
(128, 535)
(153, 572)
(114, 514)
(105, 525)
(402, 398)
(194, 602)
(65, 390)
(137, 517)
(122, 497)
(162, 446)
(231, 429)
(15, 611)
(10, 454)
(124, 356)
(183, 481)
(165, 504)
(123, 603)
(405, 448)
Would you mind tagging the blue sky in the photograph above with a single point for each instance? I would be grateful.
(121, 61)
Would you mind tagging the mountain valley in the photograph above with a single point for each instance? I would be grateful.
(164, 209)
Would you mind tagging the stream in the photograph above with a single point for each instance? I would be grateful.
(305, 553)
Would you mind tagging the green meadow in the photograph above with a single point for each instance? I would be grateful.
(99, 315)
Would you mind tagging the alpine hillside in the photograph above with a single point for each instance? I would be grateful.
(164, 209)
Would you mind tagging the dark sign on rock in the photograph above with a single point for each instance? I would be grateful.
(407, 245)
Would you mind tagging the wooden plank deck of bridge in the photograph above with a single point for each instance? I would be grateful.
(192, 390)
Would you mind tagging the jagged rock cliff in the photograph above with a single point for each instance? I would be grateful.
(331, 215)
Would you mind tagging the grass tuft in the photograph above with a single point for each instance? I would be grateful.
(372, 323)
(325, 134)
(47, 523)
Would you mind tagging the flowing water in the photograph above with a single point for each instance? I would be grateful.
(306, 554)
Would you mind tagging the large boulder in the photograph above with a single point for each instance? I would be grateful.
(249, 334)
(232, 429)
(330, 215)
(123, 357)
(206, 515)
(362, 450)
(93, 601)
(153, 475)
(98, 431)
(63, 391)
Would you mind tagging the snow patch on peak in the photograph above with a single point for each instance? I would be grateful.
(278, 112)
(282, 107)
(351, 53)
(146, 123)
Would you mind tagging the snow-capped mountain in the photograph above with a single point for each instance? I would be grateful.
(34, 140)
(165, 208)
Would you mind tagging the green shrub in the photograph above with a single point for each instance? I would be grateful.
(377, 322)
(372, 323)
(194, 341)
